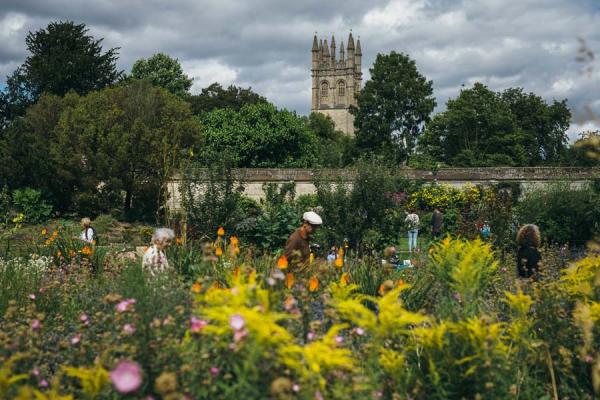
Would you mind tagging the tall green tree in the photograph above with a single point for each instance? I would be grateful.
(258, 136)
(164, 71)
(63, 57)
(336, 149)
(393, 107)
(544, 125)
(477, 129)
(128, 139)
(215, 96)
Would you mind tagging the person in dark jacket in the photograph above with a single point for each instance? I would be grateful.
(528, 255)
(437, 218)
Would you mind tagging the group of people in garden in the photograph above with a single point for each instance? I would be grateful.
(297, 248)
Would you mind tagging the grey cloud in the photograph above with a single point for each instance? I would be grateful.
(266, 43)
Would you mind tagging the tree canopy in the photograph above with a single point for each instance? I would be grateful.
(258, 136)
(215, 97)
(163, 71)
(63, 57)
(484, 128)
(393, 106)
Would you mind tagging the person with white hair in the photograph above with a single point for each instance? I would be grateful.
(88, 234)
(155, 260)
(297, 247)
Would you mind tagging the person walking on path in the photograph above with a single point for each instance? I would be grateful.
(155, 260)
(297, 247)
(412, 223)
(88, 234)
(437, 219)
(528, 256)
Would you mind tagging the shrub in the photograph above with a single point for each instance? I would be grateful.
(564, 213)
(29, 202)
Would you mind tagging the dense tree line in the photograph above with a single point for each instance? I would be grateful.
(95, 139)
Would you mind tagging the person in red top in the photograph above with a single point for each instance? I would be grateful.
(297, 247)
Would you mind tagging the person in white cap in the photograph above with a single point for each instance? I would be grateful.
(297, 247)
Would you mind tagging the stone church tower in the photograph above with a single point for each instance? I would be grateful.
(336, 81)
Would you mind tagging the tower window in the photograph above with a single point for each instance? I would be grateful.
(341, 88)
(324, 89)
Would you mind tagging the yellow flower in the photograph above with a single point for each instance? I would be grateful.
(44, 231)
(345, 279)
(234, 240)
(282, 263)
(221, 231)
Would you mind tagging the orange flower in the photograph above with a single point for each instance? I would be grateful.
(86, 251)
(236, 272)
(44, 231)
(58, 254)
(289, 280)
(341, 252)
(400, 283)
(219, 252)
(339, 262)
(381, 290)
(196, 287)
(234, 240)
(48, 242)
(313, 284)
(54, 234)
(289, 302)
(282, 263)
(179, 240)
(216, 285)
(220, 231)
(345, 279)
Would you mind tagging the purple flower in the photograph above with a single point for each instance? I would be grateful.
(236, 321)
(214, 371)
(456, 296)
(129, 329)
(123, 306)
(36, 325)
(76, 339)
(197, 324)
(126, 377)
(43, 383)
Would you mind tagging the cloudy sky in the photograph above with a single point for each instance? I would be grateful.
(266, 43)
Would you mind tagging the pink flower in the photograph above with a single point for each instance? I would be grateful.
(126, 377)
(239, 335)
(214, 371)
(318, 395)
(84, 319)
(129, 329)
(196, 325)
(123, 306)
(31, 296)
(359, 331)
(43, 383)
(236, 321)
(379, 394)
(41, 290)
(311, 336)
(339, 339)
(76, 339)
(271, 281)
(35, 371)
(296, 387)
(36, 325)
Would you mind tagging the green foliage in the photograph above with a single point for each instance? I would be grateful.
(163, 71)
(63, 58)
(393, 107)
(564, 213)
(583, 153)
(335, 148)
(30, 203)
(258, 136)
(484, 128)
(215, 97)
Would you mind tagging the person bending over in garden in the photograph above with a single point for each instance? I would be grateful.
(88, 234)
(155, 260)
(412, 223)
(437, 219)
(297, 247)
(528, 255)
